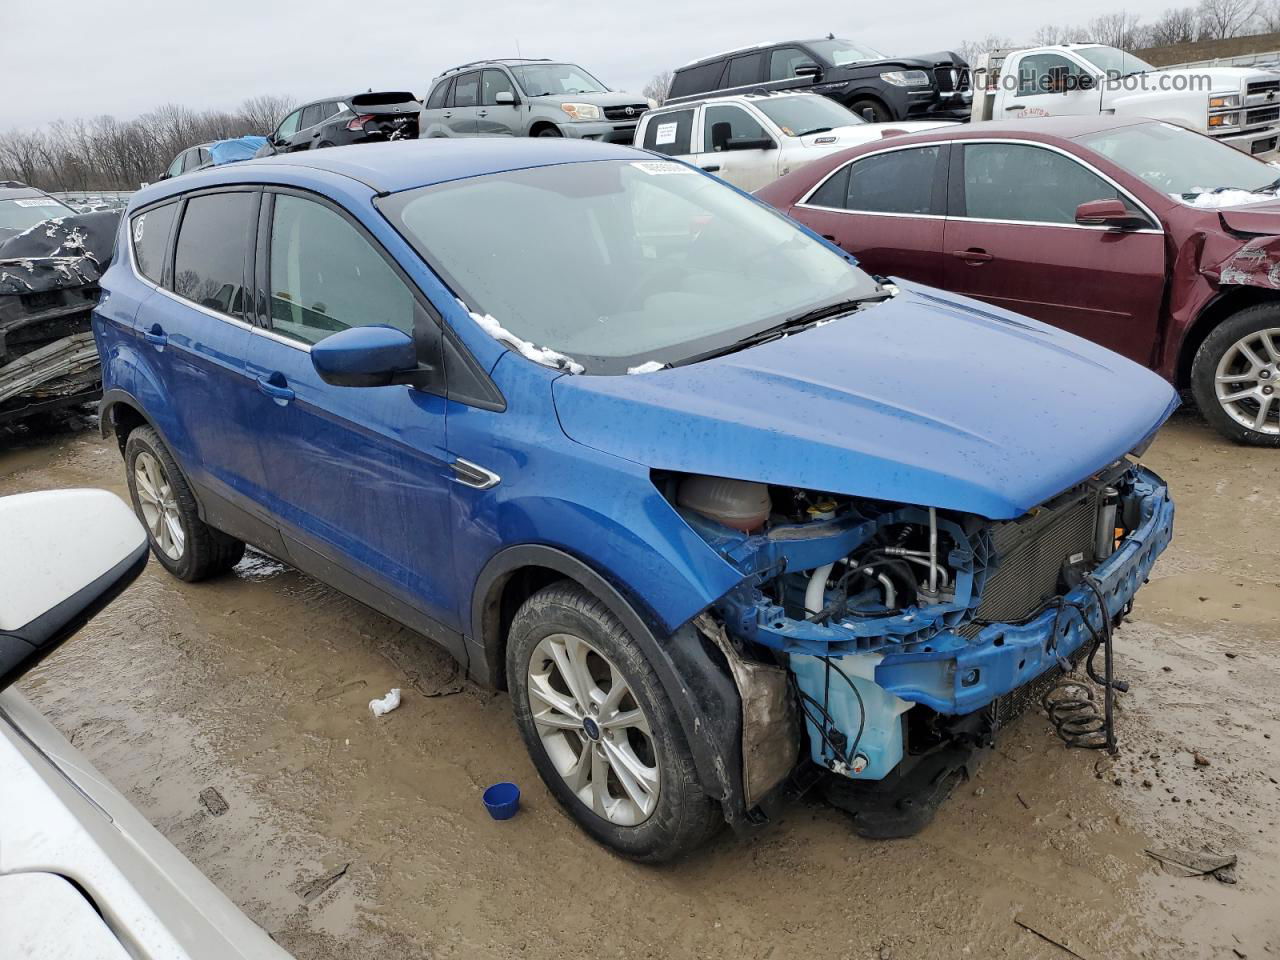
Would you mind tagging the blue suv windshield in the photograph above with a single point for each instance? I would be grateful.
(616, 263)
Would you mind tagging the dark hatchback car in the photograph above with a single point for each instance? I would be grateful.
(339, 121)
(1145, 237)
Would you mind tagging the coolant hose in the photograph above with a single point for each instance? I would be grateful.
(815, 593)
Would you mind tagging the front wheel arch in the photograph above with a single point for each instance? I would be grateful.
(694, 675)
(1221, 308)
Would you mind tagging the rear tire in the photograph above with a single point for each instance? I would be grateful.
(601, 730)
(881, 112)
(1235, 376)
(184, 544)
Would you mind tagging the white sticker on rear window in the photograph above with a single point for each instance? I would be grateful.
(137, 227)
(38, 202)
(666, 134)
(658, 167)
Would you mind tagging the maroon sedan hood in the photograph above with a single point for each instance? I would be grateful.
(1259, 218)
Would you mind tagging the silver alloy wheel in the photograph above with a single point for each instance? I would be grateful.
(159, 505)
(1247, 381)
(593, 729)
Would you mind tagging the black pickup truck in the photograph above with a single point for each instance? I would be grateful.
(879, 88)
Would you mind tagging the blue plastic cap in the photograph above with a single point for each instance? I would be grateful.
(502, 800)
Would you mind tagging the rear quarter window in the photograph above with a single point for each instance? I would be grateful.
(150, 232)
(697, 79)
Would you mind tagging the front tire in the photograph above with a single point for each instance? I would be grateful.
(549, 131)
(879, 111)
(1235, 376)
(184, 544)
(601, 730)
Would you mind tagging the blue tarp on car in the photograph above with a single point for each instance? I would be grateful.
(239, 148)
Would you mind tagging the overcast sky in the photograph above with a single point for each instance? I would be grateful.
(86, 57)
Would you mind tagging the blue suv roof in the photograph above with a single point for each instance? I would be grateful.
(389, 167)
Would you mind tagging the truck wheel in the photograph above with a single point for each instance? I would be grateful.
(600, 729)
(184, 544)
(878, 109)
(1235, 376)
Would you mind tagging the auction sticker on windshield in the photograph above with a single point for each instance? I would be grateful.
(657, 168)
(38, 202)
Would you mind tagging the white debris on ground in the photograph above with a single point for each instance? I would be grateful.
(543, 355)
(652, 366)
(386, 704)
(1208, 199)
(255, 566)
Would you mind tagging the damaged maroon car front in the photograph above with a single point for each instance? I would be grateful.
(1145, 237)
(51, 259)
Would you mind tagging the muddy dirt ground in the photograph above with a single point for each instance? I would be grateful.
(354, 837)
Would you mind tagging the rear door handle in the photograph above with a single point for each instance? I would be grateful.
(156, 335)
(278, 392)
(482, 113)
(973, 256)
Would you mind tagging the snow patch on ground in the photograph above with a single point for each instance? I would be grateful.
(258, 566)
(543, 355)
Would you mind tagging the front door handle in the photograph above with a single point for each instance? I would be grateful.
(482, 113)
(447, 114)
(711, 167)
(273, 385)
(973, 256)
(156, 335)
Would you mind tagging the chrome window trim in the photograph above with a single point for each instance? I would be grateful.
(1124, 192)
(252, 327)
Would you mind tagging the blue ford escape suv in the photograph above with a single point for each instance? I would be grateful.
(726, 515)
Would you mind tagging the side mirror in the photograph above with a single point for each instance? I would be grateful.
(1108, 213)
(808, 70)
(505, 96)
(869, 114)
(376, 356)
(749, 143)
(72, 552)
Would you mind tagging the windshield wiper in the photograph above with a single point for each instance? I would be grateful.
(1271, 187)
(814, 130)
(790, 325)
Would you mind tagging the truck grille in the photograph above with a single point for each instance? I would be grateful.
(1263, 86)
(620, 113)
(1030, 553)
(948, 78)
(1260, 115)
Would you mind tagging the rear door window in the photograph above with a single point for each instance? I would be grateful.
(744, 70)
(670, 133)
(901, 181)
(1013, 181)
(723, 123)
(311, 115)
(209, 260)
(150, 232)
(467, 90)
(325, 276)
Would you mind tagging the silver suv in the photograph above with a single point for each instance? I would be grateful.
(527, 98)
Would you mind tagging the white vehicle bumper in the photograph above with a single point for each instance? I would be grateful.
(1263, 143)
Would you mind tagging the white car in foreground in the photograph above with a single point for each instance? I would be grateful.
(752, 139)
(83, 875)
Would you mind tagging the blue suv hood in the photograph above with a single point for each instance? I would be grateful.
(927, 398)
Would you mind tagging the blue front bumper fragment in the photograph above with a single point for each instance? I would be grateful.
(954, 675)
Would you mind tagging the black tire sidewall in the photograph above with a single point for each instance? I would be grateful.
(1205, 366)
(549, 132)
(882, 114)
(679, 821)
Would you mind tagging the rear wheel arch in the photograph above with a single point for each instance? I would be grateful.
(119, 415)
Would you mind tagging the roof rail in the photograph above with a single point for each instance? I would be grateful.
(13, 184)
(476, 63)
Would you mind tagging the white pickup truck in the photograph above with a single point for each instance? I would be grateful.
(1239, 106)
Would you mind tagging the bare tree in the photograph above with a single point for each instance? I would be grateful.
(658, 87)
(1114, 29)
(1051, 35)
(1175, 25)
(1220, 19)
(970, 49)
(1269, 17)
(262, 113)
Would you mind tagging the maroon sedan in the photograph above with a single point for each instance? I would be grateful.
(1155, 241)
